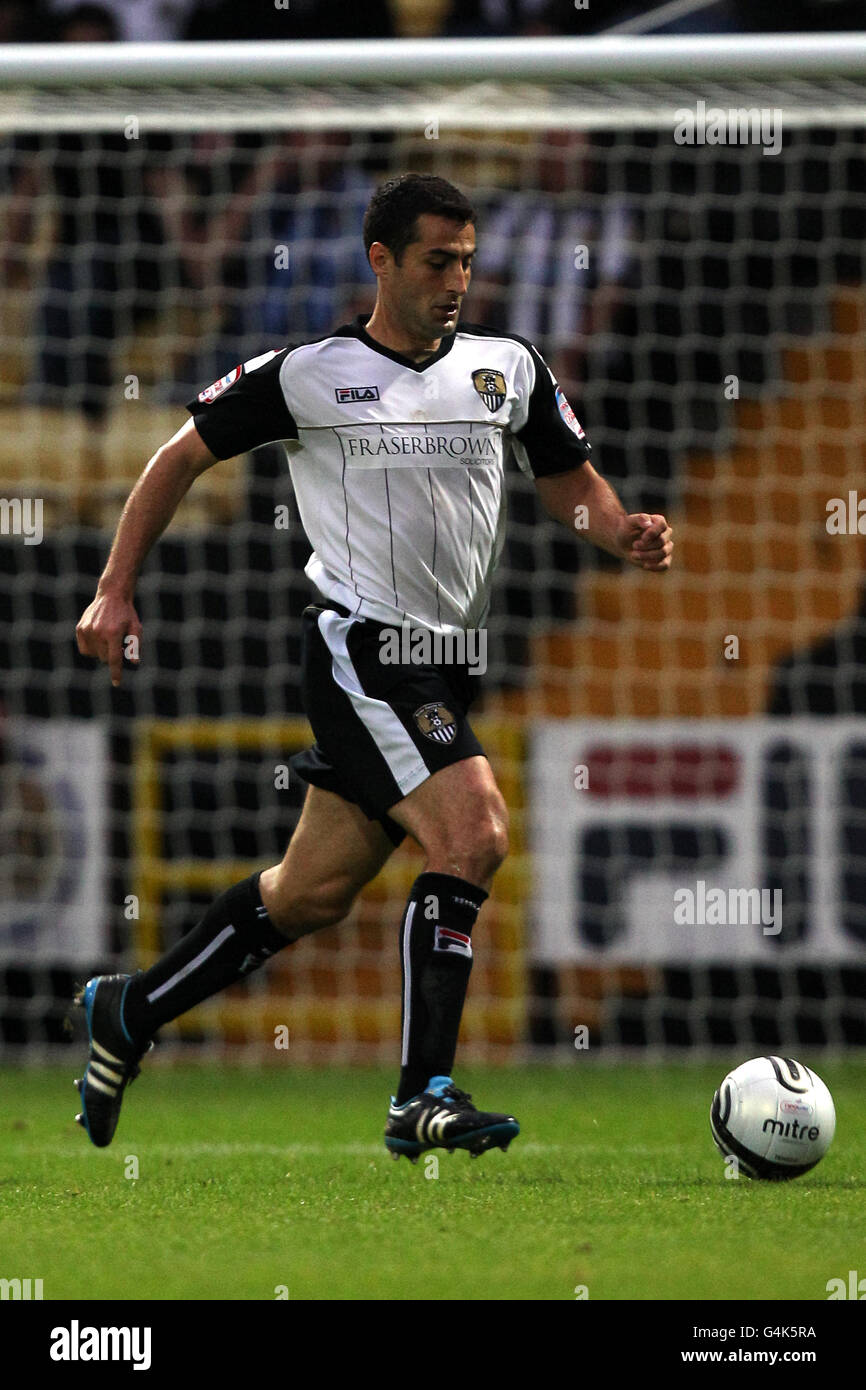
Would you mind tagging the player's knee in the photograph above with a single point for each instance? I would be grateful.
(299, 908)
(489, 842)
(476, 849)
(324, 907)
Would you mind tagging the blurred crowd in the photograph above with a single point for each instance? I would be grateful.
(259, 233)
(40, 21)
(259, 237)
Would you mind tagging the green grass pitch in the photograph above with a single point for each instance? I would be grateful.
(252, 1182)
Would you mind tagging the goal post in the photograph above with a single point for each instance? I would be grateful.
(679, 225)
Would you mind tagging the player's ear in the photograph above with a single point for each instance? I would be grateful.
(380, 257)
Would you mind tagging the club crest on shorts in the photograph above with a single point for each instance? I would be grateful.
(490, 386)
(436, 721)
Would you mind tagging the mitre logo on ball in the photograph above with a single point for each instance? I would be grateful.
(490, 385)
(437, 722)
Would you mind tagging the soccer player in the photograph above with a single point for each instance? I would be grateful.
(397, 430)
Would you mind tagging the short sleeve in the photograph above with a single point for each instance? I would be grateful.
(547, 436)
(245, 408)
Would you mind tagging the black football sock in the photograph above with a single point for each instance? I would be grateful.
(234, 937)
(436, 960)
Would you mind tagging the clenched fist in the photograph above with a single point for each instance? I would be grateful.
(646, 541)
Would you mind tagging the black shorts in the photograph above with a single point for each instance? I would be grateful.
(381, 730)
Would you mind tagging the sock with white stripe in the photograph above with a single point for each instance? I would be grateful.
(234, 937)
(436, 960)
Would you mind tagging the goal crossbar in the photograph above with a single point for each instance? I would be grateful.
(479, 84)
(719, 56)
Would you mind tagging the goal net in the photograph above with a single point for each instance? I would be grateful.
(678, 225)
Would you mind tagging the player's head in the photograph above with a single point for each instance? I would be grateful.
(419, 234)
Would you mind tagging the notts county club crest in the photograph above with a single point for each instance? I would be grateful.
(490, 386)
(436, 722)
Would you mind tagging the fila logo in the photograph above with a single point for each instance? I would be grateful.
(446, 939)
(346, 394)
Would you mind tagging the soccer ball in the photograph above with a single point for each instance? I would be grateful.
(775, 1116)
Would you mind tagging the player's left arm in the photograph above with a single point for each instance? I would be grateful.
(583, 501)
(551, 447)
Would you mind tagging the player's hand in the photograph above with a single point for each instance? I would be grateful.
(103, 631)
(647, 541)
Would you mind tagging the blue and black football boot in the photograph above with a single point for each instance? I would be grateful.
(113, 1060)
(442, 1117)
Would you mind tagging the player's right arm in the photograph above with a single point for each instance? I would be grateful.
(150, 507)
(241, 411)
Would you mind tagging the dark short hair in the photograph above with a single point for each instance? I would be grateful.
(395, 207)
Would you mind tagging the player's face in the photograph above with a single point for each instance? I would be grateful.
(426, 289)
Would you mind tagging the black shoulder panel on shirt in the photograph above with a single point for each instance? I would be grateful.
(553, 437)
(244, 409)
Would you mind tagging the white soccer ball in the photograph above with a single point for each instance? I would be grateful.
(775, 1116)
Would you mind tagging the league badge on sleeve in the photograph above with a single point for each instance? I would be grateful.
(210, 393)
(568, 414)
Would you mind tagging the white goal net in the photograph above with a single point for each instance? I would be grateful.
(679, 226)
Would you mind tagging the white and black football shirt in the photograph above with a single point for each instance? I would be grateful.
(397, 466)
